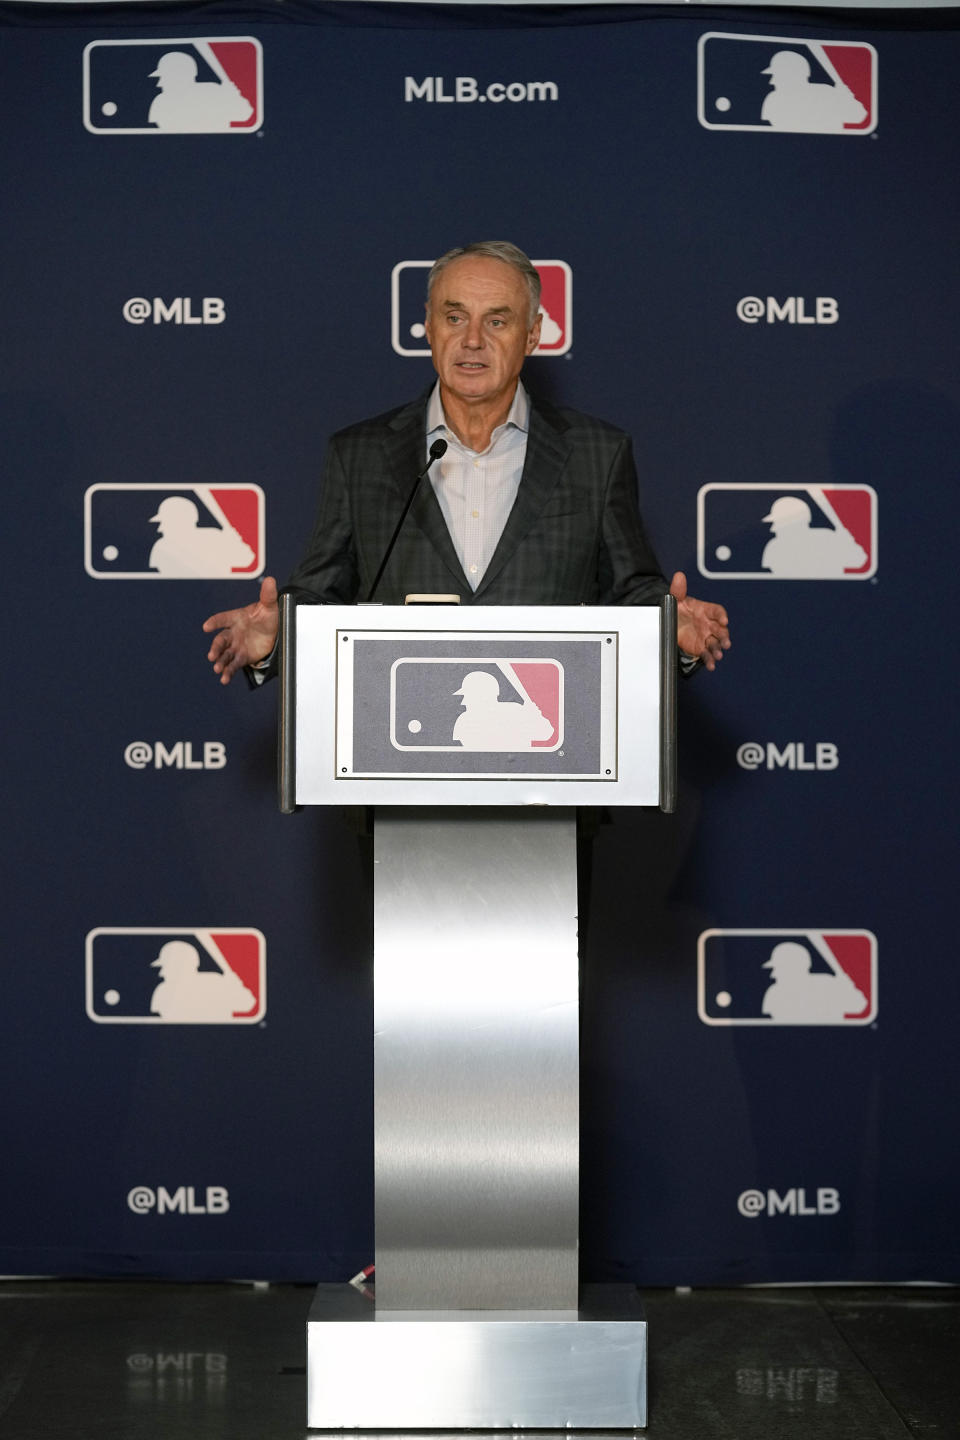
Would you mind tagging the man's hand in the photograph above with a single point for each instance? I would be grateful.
(246, 635)
(702, 628)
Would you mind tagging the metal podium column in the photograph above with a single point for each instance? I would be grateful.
(476, 1109)
(476, 1322)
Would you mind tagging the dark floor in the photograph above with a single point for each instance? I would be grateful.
(123, 1360)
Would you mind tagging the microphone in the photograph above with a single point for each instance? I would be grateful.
(437, 450)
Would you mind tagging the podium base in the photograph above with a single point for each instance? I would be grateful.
(370, 1369)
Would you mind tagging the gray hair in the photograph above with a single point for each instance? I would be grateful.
(494, 250)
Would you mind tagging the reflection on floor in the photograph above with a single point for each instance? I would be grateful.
(121, 1360)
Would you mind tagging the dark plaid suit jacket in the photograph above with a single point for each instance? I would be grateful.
(574, 535)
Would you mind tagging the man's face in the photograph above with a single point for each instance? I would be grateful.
(478, 325)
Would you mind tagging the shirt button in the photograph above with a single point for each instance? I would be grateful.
(475, 514)
(473, 569)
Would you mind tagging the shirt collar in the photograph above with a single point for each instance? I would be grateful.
(518, 415)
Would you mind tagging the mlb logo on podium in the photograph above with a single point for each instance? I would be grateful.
(182, 532)
(408, 293)
(457, 704)
(170, 976)
(211, 86)
(787, 977)
(431, 704)
(780, 83)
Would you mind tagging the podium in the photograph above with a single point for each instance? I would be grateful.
(475, 733)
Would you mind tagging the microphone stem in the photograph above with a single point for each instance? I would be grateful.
(435, 453)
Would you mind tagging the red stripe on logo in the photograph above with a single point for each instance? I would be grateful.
(854, 65)
(242, 954)
(242, 509)
(239, 60)
(853, 955)
(854, 510)
(542, 684)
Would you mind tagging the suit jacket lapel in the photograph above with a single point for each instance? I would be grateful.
(546, 456)
(406, 457)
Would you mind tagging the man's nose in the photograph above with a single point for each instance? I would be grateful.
(473, 336)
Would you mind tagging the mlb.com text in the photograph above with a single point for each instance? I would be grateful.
(464, 89)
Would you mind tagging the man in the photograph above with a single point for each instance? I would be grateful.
(194, 106)
(529, 505)
(798, 550)
(187, 994)
(797, 995)
(795, 102)
(488, 723)
(186, 549)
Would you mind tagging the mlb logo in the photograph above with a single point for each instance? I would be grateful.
(446, 705)
(212, 86)
(456, 704)
(770, 82)
(182, 532)
(787, 532)
(787, 977)
(170, 976)
(408, 293)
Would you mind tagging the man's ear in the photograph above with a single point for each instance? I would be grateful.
(533, 339)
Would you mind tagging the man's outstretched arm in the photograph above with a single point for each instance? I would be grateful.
(247, 635)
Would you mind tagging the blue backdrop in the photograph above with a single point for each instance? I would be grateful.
(196, 295)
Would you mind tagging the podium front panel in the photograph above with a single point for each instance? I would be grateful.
(433, 705)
